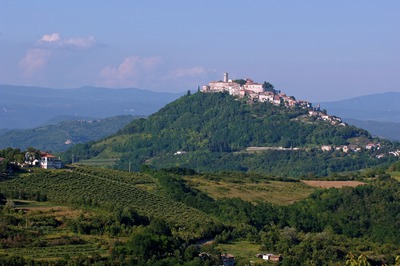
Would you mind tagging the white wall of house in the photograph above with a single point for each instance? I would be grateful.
(50, 162)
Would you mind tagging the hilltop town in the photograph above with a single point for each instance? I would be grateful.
(265, 92)
(257, 92)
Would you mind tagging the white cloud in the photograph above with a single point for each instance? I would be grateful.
(188, 72)
(80, 42)
(34, 60)
(130, 72)
(55, 40)
(48, 46)
(54, 37)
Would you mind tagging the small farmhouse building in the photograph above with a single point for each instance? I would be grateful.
(271, 257)
(48, 161)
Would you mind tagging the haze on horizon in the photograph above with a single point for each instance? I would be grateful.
(314, 50)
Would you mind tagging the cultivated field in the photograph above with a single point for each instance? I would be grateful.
(98, 162)
(275, 192)
(52, 240)
(108, 189)
(332, 184)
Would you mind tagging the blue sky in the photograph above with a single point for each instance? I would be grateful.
(314, 50)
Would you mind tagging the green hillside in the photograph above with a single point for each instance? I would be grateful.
(213, 131)
(108, 189)
(63, 135)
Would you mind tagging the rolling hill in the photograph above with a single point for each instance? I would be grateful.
(386, 130)
(213, 132)
(113, 189)
(28, 107)
(377, 113)
(382, 107)
(63, 135)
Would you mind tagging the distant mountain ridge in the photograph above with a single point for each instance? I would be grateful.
(63, 135)
(28, 107)
(377, 113)
(383, 107)
(386, 130)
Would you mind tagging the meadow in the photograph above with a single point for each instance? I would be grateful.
(275, 192)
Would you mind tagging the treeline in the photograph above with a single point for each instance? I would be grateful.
(293, 164)
(10, 158)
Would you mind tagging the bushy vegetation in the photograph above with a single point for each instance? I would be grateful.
(10, 159)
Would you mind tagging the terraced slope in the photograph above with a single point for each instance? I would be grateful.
(108, 189)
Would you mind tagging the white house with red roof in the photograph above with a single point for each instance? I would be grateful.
(49, 161)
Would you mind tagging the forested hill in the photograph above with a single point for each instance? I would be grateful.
(213, 131)
(221, 122)
(60, 136)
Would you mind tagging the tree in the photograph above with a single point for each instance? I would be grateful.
(3, 166)
(360, 261)
(10, 205)
(268, 87)
(241, 82)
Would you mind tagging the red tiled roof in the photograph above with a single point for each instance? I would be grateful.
(48, 156)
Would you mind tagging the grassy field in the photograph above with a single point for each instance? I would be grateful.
(332, 184)
(276, 192)
(395, 175)
(244, 252)
(54, 252)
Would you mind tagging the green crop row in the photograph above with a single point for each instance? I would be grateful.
(113, 190)
(131, 178)
(52, 252)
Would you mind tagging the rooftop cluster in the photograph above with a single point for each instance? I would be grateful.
(255, 92)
